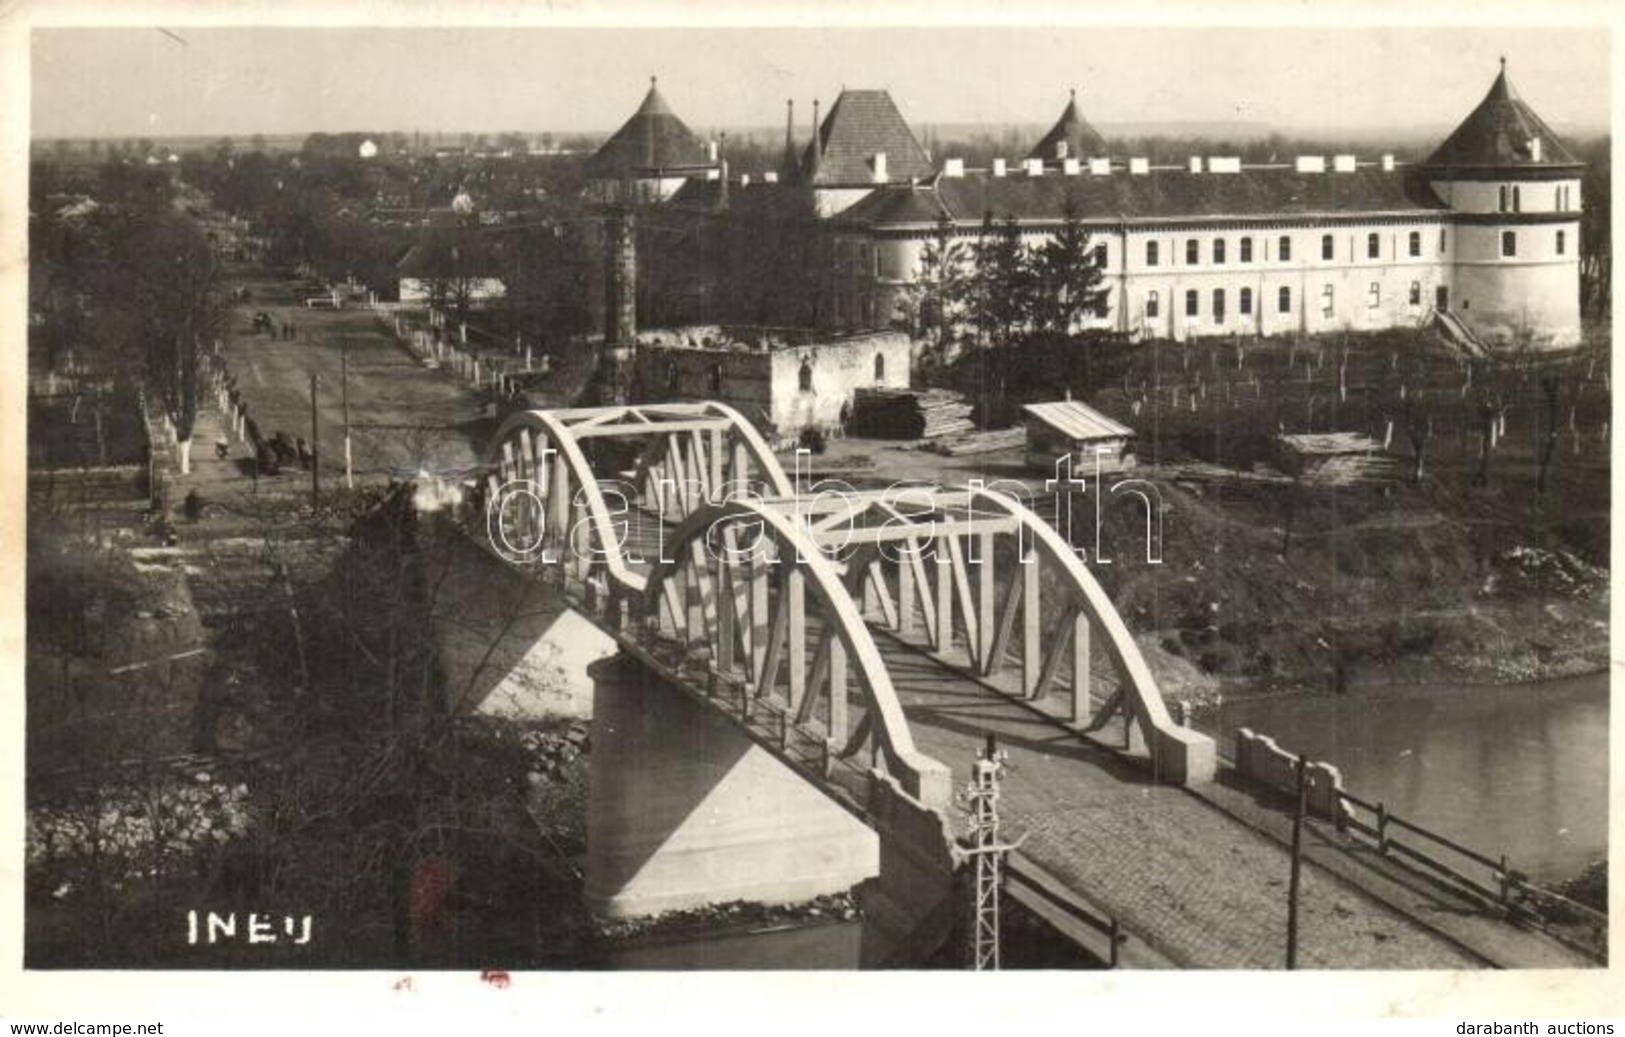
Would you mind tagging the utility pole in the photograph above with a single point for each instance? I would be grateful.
(1297, 865)
(315, 455)
(344, 395)
(982, 843)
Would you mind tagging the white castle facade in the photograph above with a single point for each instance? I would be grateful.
(1483, 236)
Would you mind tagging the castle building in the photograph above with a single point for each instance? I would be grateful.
(1482, 237)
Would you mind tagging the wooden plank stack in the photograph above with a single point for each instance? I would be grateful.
(982, 442)
(881, 413)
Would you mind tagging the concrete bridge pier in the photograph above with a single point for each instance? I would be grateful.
(685, 810)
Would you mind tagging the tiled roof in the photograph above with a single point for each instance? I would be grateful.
(444, 254)
(860, 124)
(654, 138)
(1498, 134)
(1162, 194)
(904, 204)
(761, 200)
(1080, 137)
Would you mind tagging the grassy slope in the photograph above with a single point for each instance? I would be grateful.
(1441, 580)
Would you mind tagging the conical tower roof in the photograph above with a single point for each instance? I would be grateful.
(1072, 128)
(654, 138)
(860, 124)
(1501, 133)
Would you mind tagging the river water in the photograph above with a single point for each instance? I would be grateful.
(1515, 769)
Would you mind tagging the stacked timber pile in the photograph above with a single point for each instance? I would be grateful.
(881, 413)
(982, 442)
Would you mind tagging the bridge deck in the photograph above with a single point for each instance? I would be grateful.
(1194, 883)
(1197, 886)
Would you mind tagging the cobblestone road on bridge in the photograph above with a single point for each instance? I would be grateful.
(1200, 887)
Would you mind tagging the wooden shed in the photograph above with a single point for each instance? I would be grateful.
(1064, 426)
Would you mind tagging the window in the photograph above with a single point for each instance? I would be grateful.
(1373, 246)
(1218, 305)
(1416, 243)
(806, 376)
(1517, 205)
(1245, 305)
(1327, 301)
(1153, 308)
(1099, 258)
(1560, 242)
(1558, 201)
(713, 378)
(1246, 250)
(1218, 251)
(1103, 303)
(880, 367)
(671, 376)
(1326, 246)
(1416, 293)
(1509, 243)
(1373, 295)
(1191, 304)
(1283, 300)
(1193, 252)
(1503, 198)
(1286, 249)
(1441, 240)
(1151, 253)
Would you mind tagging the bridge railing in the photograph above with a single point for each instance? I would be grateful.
(1489, 878)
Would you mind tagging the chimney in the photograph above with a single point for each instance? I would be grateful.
(621, 305)
(787, 166)
(1069, 166)
(1139, 166)
(998, 167)
(1343, 163)
(1033, 166)
(1061, 150)
(954, 167)
(880, 167)
(1311, 164)
(1196, 164)
(1100, 167)
(817, 142)
(1387, 163)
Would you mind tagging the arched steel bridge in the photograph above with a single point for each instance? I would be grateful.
(866, 637)
(675, 528)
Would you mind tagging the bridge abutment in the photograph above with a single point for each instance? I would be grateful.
(685, 810)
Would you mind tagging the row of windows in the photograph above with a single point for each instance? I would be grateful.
(1511, 198)
(1509, 243)
(1283, 301)
(1328, 248)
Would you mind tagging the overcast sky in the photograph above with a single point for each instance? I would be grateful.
(133, 82)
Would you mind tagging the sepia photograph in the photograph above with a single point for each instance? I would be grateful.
(634, 498)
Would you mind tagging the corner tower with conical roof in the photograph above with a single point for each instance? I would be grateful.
(1515, 193)
(1070, 138)
(651, 155)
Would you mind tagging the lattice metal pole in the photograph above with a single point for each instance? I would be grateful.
(983, 845)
